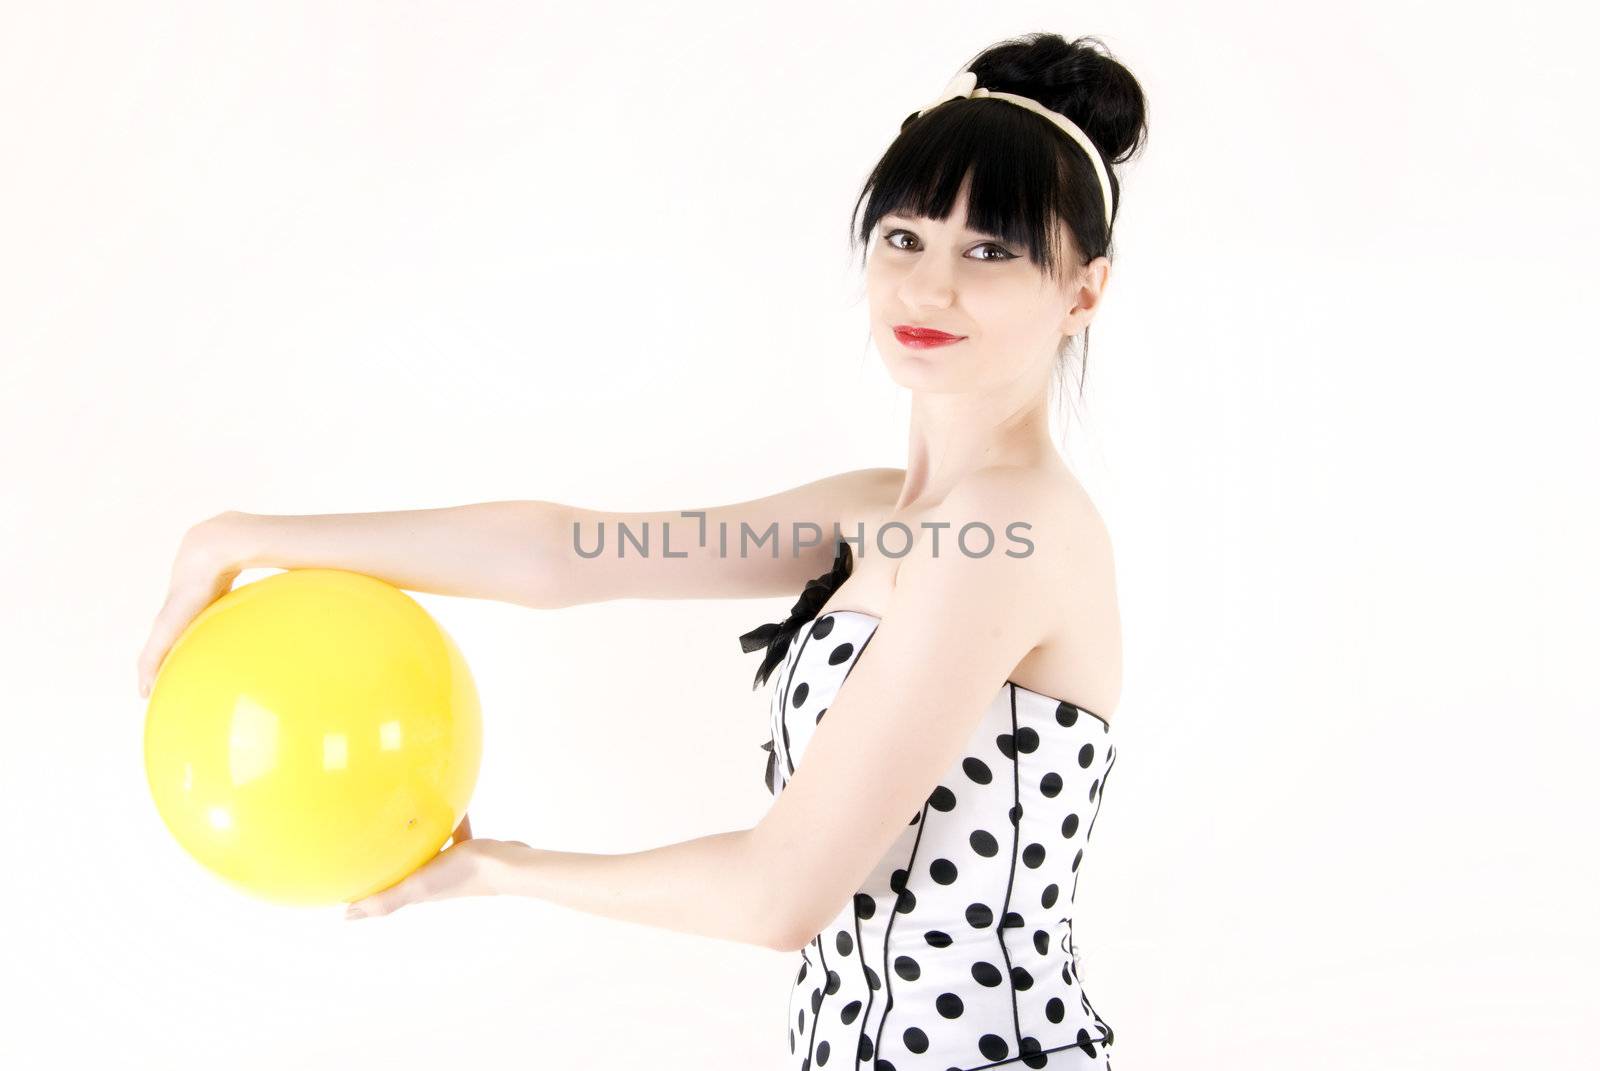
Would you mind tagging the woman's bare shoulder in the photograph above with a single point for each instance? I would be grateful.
(1047, 498)
(1079, 654)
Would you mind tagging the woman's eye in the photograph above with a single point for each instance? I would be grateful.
(991, 245)
(890, 239)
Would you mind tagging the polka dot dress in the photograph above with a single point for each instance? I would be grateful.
(957, 953)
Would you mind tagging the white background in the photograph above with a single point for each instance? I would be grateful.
(331, 257)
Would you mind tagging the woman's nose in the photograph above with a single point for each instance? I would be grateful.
(929, 284)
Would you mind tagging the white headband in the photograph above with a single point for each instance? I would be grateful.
(965, 85)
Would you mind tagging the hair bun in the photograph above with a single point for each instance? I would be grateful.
(1078, 78)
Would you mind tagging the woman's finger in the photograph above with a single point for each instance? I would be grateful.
(463, 831)
(199, 578)
(448, 874)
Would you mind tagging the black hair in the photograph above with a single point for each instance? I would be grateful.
(1027, 175)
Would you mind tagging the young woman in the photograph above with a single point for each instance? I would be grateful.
(942, 695)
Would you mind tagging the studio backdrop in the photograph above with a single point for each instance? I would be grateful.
(308, 259)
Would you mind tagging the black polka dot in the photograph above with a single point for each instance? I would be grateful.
(798, 697)
(897, 880)
(791, 1039)
(987, 974)
(1094, 787)
(979, 916)
(1086, 756)
(816, 1000)
(949, 1005)
(943, 871)
(844, 943)
(802, 975)
(841, 653)
(873, 982)
(864, 1048)
(993, 1047)
(1055, 1010)
(1041, 942)
(1076, 859)
(907, 903)
(937, 938)
(1032, 856)
(866, 906)
(976, 770)
(823, 626)
(1069, 825)
(1048, 899)
(942, 799)
(916, 1040)
(832, 985)
(1015, 813)
(1012, 921)
(821, 712)
(1021, 979)
(1067, 714)
(907, 968)
(983, 843)
(849, 1012)
(1050, 785)
(822, 1053)
(1027, 740)
(1006, 745)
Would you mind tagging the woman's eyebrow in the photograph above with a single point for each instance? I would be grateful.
(913, 222)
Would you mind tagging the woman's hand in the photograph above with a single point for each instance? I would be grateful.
(467, 868)
(201, 574)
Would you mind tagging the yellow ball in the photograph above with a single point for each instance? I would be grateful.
(313, 737)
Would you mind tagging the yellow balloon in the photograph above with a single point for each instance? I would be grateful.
(313, 737)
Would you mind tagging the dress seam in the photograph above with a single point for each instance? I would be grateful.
(822, 955)
(861, 952)
(816, 1013)
(783, 695)
(888, 986)
(1104, 1039)
(1098, 803)
(1011, 877)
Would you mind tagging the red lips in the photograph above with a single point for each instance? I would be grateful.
(922, 338)
(926, 334)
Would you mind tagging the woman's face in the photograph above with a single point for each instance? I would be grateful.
(936, 274)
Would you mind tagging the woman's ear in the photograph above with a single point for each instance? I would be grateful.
(1083, 295)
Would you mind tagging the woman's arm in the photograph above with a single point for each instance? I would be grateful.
(484, 550)
(526, 552)
(712, 886)
(760, 548)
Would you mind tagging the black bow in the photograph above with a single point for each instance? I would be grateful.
(775, 637)
(772, 764)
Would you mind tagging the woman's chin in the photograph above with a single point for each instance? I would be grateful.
(918, 370)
